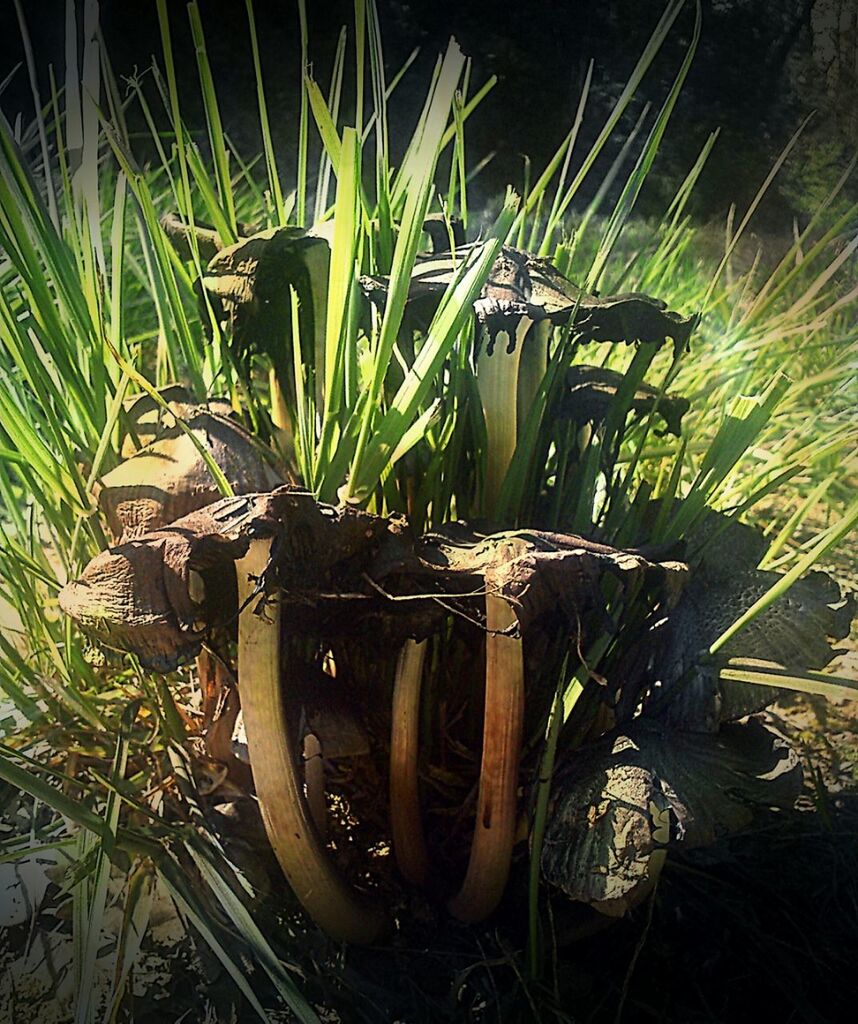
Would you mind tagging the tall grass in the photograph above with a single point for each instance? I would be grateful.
(95, 304)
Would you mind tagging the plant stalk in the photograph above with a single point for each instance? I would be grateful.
(293, 836)
(494, 831)
(498, 383)
(409, 844)
(280, 418)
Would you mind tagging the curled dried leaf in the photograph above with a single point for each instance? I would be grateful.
(522, 285)
(609, 800)
(169, 479)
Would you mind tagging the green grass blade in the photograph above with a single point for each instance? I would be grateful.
(333, 106)
(626, 202)
(659, 34)
(827, 540)
(213, 123)
(40, 120)
(86, 1003)
(454, 310)
(764, 673)
(189, 905)
(303, 120)
(242, 920)
(275, 189)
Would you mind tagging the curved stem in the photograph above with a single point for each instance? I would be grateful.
(409, 845)
(494, 830)
(284, 433)
(313, 878)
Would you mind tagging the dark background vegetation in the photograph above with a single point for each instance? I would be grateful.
(762, 66)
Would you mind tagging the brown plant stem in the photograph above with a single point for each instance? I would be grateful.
(333, 905)
(409, 845)
(494, 830)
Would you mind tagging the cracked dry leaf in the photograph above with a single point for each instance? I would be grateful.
(522, 285)
(168, 478)
(611, 801)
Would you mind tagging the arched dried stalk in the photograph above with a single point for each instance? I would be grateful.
(293, 836)
(409, 845)
(494, 829)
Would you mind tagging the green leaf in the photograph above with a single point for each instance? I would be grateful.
(767, 673)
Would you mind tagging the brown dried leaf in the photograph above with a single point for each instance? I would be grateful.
(168, 478)
(608, 800)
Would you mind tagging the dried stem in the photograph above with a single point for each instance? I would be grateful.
(494, 830)
(279, 788)
(406, 823)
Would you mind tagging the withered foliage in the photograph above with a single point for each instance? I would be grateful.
(662, 756)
